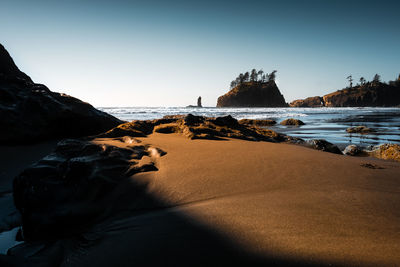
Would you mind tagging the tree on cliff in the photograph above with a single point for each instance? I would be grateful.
(253, 75)
(246, 76)
(362, 80)
(350, 79)
(377, 78)
(260, 72)
(272, 76)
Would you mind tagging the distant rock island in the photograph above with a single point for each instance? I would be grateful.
(253, 89)
(30, 112)
(364, 94)
(198, 104)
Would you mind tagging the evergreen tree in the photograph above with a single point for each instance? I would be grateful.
(246, 76)
(377, 78)
(272, 76)
(350, 79)
(260, 72)
(253, 75)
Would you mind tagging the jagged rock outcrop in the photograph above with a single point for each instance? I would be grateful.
(30, 112)
(70, 188)
(387, 151)
(312, 102)
(371, 94)
(198, 127)
(253, 94)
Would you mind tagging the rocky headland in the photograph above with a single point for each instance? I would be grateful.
(30, 112)
(368, 94)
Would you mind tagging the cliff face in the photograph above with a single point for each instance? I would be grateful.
(374, 94)
(253, 94)
(30, 112)
(369, 95)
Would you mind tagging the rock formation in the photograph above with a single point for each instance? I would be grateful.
(265, 122)
(198, 127)
(253, 94)
(69, 189)
(360, 129)
(292, 122)
(387, 151)
(312, 102)
(30, 112)
(353, 150)
(321, 144)
(199, 102)
(371, 94)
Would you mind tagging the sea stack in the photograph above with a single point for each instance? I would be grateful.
(253, 94)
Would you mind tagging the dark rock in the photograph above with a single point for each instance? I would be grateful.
(371, 166)
(30, 112)
(253, 94)
(264, 122)
(321, 144)
(353, 150)
(359, 129)
(193, 120)
(294, 122)
(68, 190)
(227, 121)
(312, 102)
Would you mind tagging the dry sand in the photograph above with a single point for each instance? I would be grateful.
(247, 203)
(236, 201)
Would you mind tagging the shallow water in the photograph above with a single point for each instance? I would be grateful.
(7, 240)
(325, 123)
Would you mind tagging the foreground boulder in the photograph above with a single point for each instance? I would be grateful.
(30, 112)
(69, 189)
(387, 151)
(353, 150)
(321, 144)
(253, 94)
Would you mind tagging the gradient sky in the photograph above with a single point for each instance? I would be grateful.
(167, 53)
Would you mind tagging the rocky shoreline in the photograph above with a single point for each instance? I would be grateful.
(73, 189)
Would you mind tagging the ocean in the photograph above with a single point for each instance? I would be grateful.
(320, 123)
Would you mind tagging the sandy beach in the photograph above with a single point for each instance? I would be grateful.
(234, 201)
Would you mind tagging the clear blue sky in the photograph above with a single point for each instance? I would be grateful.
(167, 53)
